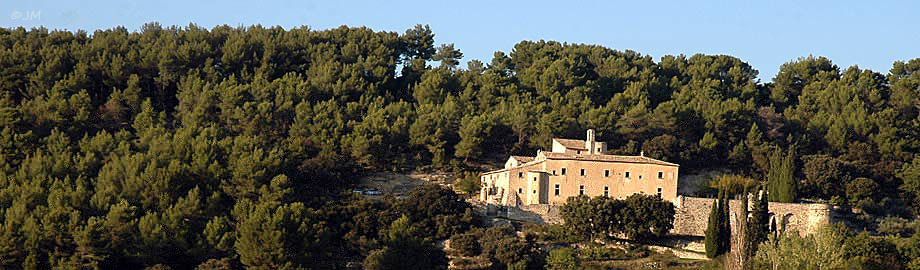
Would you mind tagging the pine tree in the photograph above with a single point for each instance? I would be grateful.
(448, 55)
(474, 130)
(418, 42)
(759, 151)
(403, 249)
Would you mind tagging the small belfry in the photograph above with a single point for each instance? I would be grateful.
(577, 167)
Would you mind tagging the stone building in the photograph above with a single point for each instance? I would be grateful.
(576, 167)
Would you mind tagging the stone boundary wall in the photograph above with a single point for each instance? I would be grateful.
(692, 215)
(550, 213)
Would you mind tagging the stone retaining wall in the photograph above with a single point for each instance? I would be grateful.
(692, 215)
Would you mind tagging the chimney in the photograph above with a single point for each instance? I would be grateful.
(589, 142)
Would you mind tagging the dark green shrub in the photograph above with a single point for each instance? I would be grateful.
(466, 244)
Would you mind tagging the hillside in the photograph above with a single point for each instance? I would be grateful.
(174, 147)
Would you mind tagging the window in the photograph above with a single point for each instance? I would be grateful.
(563, 171)
(582, 172)
(521, 175)
(557, 190)
(534, 191)
(606, 191)
(640, 177)
(627, 175)
(659, 192)
(660, 175)
(606, 173)
(554, 172)
(581, 190)
(578, 152)
(598, 149)
(534, 179)
(520, 190)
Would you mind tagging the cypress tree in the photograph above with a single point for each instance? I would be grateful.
(791, 192)
(726, 230)
(781, 179)
(713, 230)
(718, 231)
(759, 226)
(746, 255)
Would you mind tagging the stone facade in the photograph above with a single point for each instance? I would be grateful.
(576, 167)
(532, 189)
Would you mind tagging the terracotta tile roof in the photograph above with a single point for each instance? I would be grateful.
(611, 158)
(523, 159)
(572, 144)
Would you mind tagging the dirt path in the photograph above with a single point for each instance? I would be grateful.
(389, 183)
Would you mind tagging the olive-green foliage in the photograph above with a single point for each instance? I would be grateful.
(826, 176)
(155, 148)
(732, 183)
(467, 244)
(897, 226)
(867, 252)
(860, 190)
(508, 251)
(562, 259)
(835, 247)
(437, 212)
(639, 216)
(910, 174)
(468, 183)
(645, 217)
(601, 253)
(823, 250)
(555, 233)
(404, 249)
(592, 218)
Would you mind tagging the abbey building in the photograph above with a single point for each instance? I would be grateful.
(577, 167)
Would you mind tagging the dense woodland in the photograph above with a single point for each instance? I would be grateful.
(174, 147)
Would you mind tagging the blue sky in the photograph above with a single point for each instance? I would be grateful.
(871, 34)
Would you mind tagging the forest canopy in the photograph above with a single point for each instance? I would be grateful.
(119, 145)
